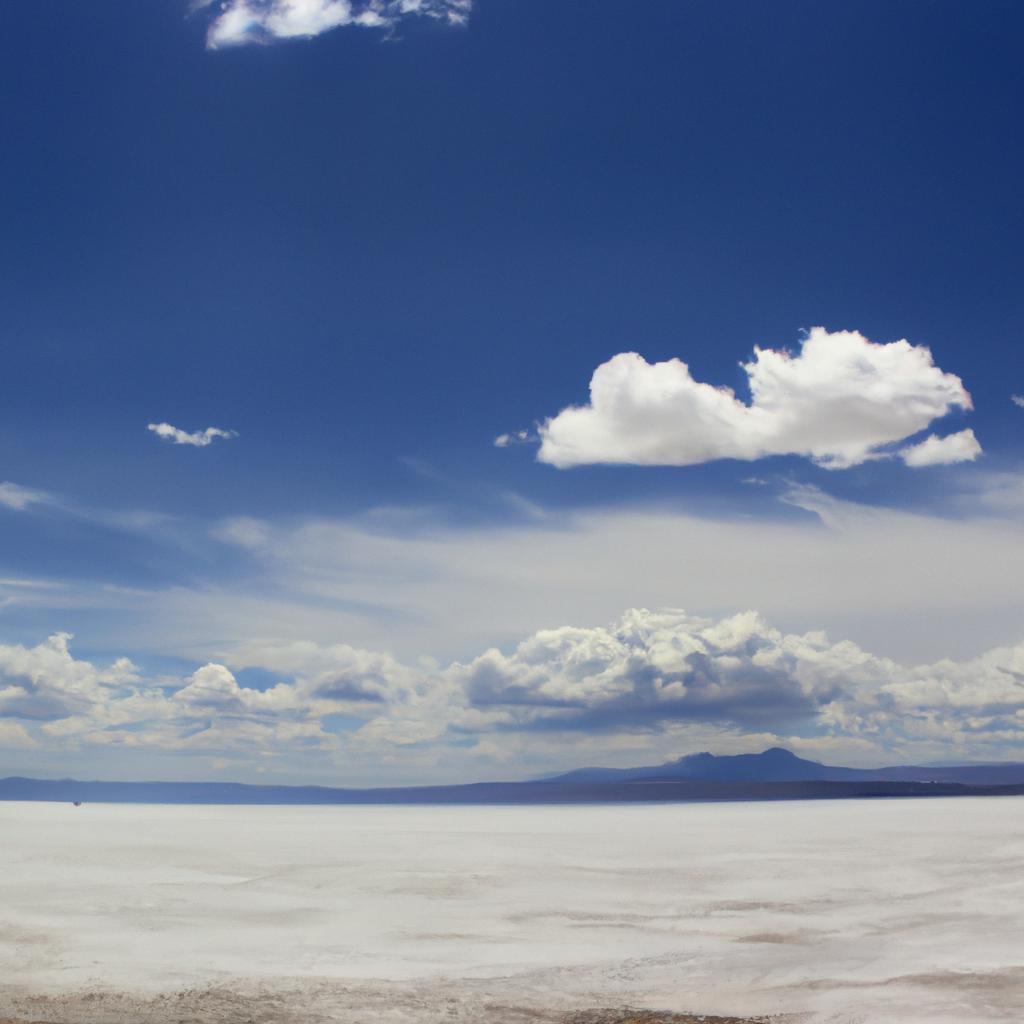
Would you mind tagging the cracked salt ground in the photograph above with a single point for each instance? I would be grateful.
(839, 912)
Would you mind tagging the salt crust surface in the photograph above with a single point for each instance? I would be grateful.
(840, 911)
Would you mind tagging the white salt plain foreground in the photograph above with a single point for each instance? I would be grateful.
(876, 911)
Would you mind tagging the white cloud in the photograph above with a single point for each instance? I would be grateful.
(13, 736)
(198, 439)
(839, 401)
(239, 22)
(214, 688)
(46, 682)
(652, 667)
(653, 680)
(925, 594)
(517, 437)
(914, 585)
(337, 673)
(450, 592)
(243, 532)
(19, 498)
(943, 451)
(1017, 400)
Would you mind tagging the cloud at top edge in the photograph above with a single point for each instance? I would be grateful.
(243, 22)
(841, 400)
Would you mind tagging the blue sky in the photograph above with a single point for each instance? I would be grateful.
(368, 239)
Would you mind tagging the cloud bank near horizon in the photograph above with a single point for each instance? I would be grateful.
(840, 401)
(246, 22)
(653, 675)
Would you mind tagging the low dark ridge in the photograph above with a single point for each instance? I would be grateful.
(555, 792)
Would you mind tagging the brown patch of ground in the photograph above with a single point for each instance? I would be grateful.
(222, 1006)
(654, 1017)
(607, 1017)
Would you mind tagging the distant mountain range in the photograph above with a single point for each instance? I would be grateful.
(775, 774)
(780, 765)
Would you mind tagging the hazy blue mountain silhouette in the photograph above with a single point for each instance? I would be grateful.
(780, 765)
(774, 774)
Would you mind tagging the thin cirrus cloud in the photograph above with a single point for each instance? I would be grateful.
(197, 438)
(242, 22)
(19, 498)
(840, 401)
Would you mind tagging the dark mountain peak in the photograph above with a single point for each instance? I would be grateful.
(775, 754)
(774, 764)
(777, 764)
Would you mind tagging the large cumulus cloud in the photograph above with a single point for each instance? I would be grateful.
(653, 667)
(45, 682)
(840, 401)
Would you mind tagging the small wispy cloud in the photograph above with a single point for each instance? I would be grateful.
(1017, 400)
(242, 22)
(198, 438)
(243, 532)
(18, 498)
(516, 437)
